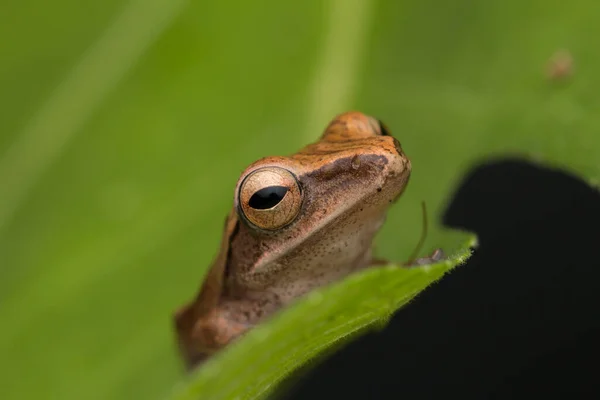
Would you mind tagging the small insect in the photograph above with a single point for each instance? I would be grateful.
(560, 66)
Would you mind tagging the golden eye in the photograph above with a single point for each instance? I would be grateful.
(270, 198)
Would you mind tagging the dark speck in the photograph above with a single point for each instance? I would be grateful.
(379, 189)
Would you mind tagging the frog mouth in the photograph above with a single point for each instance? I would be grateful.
(403, 186)
(272, 255)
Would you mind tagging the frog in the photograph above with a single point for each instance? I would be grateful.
(298, 223)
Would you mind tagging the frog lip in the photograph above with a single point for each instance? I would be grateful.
(398, 146)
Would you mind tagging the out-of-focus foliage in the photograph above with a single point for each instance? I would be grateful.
(125, 124)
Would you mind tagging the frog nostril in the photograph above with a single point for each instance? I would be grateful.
(397, 146)
(383, 129)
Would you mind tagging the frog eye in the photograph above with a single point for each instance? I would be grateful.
(270, 198)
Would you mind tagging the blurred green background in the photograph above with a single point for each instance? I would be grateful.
(125, 125)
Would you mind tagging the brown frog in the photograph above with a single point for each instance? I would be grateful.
(297, 223)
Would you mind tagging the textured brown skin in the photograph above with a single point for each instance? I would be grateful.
(348, 179)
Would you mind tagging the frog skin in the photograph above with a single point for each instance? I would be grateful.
(297, 223)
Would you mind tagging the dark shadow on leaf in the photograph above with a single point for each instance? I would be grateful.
(519, 319)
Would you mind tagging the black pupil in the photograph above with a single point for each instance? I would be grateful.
(267, 197)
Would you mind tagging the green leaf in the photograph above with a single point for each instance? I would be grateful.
(251, 367)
